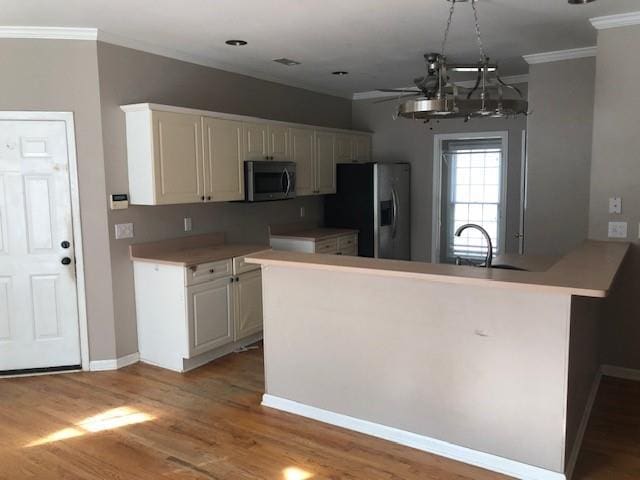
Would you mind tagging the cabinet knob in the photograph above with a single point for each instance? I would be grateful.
(209, 198)
(231, 280)
(211, 270)
(202, 198)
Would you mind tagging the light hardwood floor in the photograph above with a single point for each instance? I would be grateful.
(146, 423)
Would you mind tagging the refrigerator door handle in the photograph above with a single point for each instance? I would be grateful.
(394, 222)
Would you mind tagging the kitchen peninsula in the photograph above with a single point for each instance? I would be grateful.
(496, 368)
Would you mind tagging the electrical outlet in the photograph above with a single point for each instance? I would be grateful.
(617, 229)
(124, 230)
(615, 205)
(188, 224)
(302, 212)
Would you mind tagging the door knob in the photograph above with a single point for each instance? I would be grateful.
(65, 244)
(66, 261)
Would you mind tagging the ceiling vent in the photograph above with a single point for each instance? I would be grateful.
(286, 61)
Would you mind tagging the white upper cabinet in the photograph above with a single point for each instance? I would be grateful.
(344, 148)
(353, 148)
(325, 162)
(178, 155)
(224, 176)
(177, 143)
(362, 148)
(302, 152)
(278, 143)
(256, 141)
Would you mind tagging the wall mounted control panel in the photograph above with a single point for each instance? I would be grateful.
(119, 201)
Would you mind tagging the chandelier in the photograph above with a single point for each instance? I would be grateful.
(438, 97)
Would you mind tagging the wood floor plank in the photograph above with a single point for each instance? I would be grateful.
(209, 424)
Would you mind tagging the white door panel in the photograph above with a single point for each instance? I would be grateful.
(38, 297)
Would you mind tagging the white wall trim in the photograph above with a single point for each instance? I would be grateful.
(614, 21)
(582, 428)
(560, 55)
(74, 188)
(511, 80)
(413, 440)
(621, 372)
(114, 364)
(49, 33)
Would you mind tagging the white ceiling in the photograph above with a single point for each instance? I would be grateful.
(380, 42)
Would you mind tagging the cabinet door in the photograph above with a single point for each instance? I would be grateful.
(344, 148)
(279, 143)
(362, 148)
(210, 313)
(223, 165)
(248, 304)
(325, 162)
(302, 152)
(255, 141)
(177, 140)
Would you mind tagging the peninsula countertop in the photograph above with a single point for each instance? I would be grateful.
(587, 271)
(314, 234)
(191, 251)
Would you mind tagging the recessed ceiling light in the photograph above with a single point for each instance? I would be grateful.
(286, 61)
(580, 2)
(236, 43)
(340, 72)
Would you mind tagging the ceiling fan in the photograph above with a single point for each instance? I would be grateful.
(436, 96)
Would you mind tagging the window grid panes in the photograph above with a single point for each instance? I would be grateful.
(475, 196)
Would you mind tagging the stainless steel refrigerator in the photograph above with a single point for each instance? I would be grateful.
(373, 198)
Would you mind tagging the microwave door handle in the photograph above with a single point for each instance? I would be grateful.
(288, 178)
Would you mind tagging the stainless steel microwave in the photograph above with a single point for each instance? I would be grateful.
(265, 180)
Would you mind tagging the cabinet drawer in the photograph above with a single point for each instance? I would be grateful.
(241, 266)
(329, 246)
(347, 241)
(349, 251)
(208, 271)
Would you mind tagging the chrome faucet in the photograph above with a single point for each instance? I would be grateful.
(489, 258)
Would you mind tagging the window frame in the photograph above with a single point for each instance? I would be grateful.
(438, 170)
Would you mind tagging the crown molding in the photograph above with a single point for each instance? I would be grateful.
(510, 80)
(560, 55)
(50, 33)
(614, 21)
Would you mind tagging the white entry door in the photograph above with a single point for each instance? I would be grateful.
(38, 296)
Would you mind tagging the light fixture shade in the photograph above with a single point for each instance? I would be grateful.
(423, 108)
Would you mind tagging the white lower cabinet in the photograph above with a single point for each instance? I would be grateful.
(189, 316)
(210, 311)
(248, 289)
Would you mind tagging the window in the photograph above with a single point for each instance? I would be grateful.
(472, 192)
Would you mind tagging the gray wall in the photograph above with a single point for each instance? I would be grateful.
(615, 171)
(130, 76)
(62, 75)
(411, 141)
(559, 155)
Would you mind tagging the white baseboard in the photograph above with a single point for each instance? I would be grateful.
(620, 372)
(420, 442)
(582, 428)
(114, 364)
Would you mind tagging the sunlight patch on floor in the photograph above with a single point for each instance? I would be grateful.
(109, 420)
(295, 473)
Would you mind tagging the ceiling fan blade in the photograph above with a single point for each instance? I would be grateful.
(397, 90)
(400, 97)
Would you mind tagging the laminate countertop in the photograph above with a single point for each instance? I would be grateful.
(191, 251)
(588, 271)
(314, 234)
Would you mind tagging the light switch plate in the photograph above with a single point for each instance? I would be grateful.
(188, 224)
(617, 229)
(615, 205)
(124, 230)
(302, 212)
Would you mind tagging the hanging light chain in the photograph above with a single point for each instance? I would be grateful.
(448, 27)
(478, 36)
